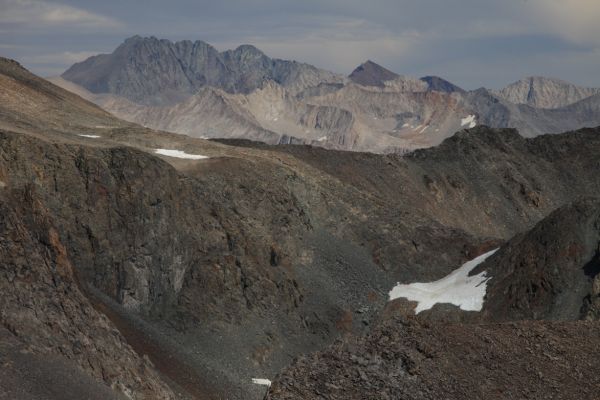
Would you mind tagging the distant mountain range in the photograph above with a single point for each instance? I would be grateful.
(157, 72)
(192, 88)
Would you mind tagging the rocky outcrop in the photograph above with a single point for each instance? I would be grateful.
(407, 359)
(550, 272)
(45, 310)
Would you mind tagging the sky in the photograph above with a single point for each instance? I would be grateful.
(472, 43)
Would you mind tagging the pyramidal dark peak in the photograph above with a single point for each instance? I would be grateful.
(370, 73)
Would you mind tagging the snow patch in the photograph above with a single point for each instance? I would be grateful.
(406, 125)
(264, 382)
(90, 136)
(469, 121)
(322, 139)
(458, 288)
(179, 154)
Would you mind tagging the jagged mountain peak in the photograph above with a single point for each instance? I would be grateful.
(153, 71)
(545, 92)
(248, 49)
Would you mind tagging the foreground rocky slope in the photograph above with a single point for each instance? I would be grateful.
(548, 273)
(407, 359)
(223, 269)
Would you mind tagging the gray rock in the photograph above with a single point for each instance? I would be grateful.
(159, 72)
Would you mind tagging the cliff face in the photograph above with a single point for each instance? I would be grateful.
(550, 272)
(44, 309)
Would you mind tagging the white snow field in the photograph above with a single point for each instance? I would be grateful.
(90, 136)
(179, 154)
(458, 288)
(469, 121)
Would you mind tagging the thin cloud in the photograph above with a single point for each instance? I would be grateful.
(573, 20)
(63, 58)
(40, 14)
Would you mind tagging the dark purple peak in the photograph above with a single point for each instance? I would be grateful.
(372, 74)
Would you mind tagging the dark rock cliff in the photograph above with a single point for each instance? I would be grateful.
(549, 272)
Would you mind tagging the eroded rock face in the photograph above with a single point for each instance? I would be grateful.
(46, 313)
(135, 228)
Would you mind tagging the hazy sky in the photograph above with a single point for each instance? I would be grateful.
(472, 43)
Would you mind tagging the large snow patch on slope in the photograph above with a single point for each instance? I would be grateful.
(458, 288)
(179, 154)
